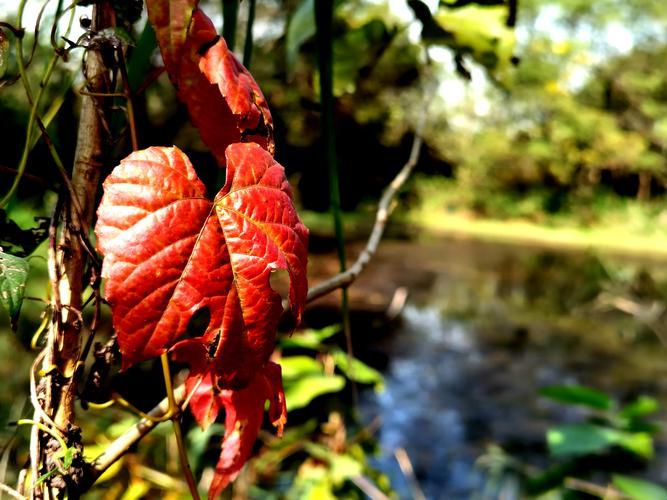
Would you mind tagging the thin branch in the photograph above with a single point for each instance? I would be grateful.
(384, 210)
(127, 93)
(230, 9)
(366, 485)
(405, 464)
(605, 492)
(28, 177)
(11, 491)
(17, 32)
(122, 444)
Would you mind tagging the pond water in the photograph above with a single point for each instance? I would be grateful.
(484, 327)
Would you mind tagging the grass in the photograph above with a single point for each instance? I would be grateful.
(601, 222)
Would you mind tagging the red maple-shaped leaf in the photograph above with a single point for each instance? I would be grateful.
(169, 252)
(223, 99)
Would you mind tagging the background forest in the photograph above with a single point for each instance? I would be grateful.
(508, 336)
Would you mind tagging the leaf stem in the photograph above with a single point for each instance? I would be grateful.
(127, 92)
(183, 456)
(31, 122)
(175, 412)
(34, 116)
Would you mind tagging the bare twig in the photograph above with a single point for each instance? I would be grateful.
(17, 32)
(28, 177)
(127, 93)
(382, 216)
(367, 486)
(604, 492)
(122, 444)
(408, 471)
(11, 491)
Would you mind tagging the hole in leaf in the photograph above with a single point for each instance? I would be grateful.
(213, 345)
(279, 281)
(198, 323)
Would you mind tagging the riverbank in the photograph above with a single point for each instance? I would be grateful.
(604, 240)
(608, 226)
(600, 222)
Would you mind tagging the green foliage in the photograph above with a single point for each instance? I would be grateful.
(317, 459)
(583, 449)
(13, 278)
(577, 440)
(356, 370)
(301, 28)
(578, 395)
(606, 428)
(304, 380)
(638, 489)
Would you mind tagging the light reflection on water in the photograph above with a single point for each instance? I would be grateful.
(419, 409)
(455, 386)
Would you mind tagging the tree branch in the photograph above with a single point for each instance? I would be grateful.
(123, 443)
(133, 435)
(384, 210)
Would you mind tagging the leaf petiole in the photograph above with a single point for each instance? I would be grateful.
(174, 410)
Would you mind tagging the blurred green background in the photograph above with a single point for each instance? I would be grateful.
(509, 335)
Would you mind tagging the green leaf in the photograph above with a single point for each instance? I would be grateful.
(300, 392)
(586, 439)
(638, 489)
(309, 339)
(578, 395)
(68, 458)
(139, 62)
(13, 277)
(344, 467)
(45, 476)
(341, 466)
(301, 28)
(56, 103)
(294, 367)
(580, 439)
(357, 370)
(278, 450)
(640, 407)
(136, 489)
(639, 443)
(197, 442)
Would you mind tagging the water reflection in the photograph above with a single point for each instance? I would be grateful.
(473, 349)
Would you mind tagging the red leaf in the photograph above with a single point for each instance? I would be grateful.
(223, 99)
(169, 251)
(171, 19)
(205, 402)
(244, 410)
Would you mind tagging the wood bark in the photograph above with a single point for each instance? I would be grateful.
(68, 258)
